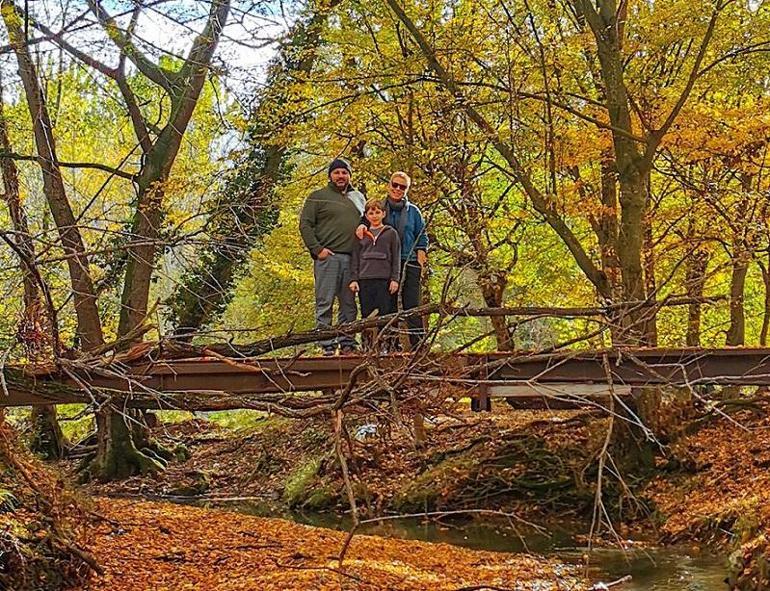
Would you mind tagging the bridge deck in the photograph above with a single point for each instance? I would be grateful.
(494, 373)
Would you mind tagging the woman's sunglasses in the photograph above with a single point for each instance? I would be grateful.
(396, 185)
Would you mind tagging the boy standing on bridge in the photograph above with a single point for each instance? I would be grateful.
(405, 217)
(327, 224)
(375, 264)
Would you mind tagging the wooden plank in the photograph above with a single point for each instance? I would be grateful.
(556, 391)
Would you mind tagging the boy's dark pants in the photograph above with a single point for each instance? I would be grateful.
(411, 276)
(374, 295)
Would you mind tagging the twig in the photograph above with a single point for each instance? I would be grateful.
(603, 586)
(338, 427)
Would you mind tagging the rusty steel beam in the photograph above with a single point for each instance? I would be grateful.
(640, 367)
(202, 377)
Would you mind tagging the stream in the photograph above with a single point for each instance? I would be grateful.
(653, 568)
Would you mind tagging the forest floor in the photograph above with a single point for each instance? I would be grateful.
(162, 546)
(714, 488)
(722, 494)
(711, 489)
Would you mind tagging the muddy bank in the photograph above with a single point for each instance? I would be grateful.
(504, 460)
(146, 545)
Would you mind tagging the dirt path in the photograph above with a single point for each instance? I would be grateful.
(160, 546)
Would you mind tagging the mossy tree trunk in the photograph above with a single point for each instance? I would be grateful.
(245, 211)
(48, 440)
(119, 453)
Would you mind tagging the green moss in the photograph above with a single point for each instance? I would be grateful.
(171, 417)
(321, 497)
(299, 482)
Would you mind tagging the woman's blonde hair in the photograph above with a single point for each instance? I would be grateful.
(403, 175)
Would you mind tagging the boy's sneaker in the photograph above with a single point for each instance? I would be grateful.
(349, 350)
(328, 352)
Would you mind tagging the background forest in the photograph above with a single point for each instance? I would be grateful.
(156, 156)
(551, 228)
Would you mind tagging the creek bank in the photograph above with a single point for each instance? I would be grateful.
(679, 567)
(531, 463)
(42, 525)
(721, 495)
(506, 460)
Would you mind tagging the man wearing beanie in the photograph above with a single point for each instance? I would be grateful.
(327, 223)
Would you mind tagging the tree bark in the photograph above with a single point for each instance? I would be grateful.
(765, 268)
(47, 437)
(89, 323)
(695, 283)
(158, 162)
(736, 333)
(118, 452)
(651, 287)
(492, 285)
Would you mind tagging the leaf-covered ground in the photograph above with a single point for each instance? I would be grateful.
(159, 546)
(42, 527)
(723, 494)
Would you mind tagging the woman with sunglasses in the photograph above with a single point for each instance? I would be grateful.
(406, 218)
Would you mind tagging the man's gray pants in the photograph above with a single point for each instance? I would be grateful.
(332, 279)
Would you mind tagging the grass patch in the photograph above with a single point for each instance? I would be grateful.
(75, 424)
(244, 420)
(171, 417)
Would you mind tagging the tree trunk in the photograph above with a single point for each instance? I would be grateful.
(607, 229)
(118, 454)
(736, 334)
(695, 284)
(47, 437)
(89, 323)
(158, 162)
(492, 285)
(766, 316)
(651, 287)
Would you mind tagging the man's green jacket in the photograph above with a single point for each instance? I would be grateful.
(329, 219)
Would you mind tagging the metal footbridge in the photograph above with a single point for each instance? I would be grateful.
(200, 382)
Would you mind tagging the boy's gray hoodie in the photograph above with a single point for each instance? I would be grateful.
(377, 257)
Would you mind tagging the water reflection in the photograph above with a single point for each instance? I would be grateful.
(652, 569)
